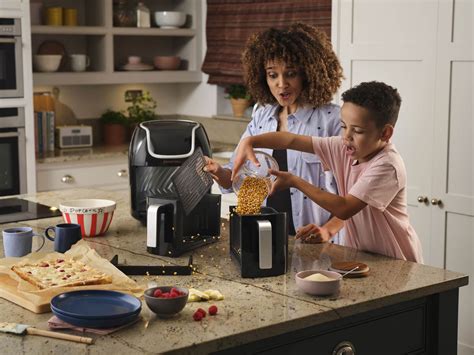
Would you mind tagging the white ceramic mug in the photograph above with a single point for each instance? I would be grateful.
(79, 62)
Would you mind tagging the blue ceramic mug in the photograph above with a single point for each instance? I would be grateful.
(18, 241)
(65, 235)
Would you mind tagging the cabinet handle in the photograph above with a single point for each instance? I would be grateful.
(422, 199)
(436, 202)
(122, 173)
(344, 348)
(67, 179)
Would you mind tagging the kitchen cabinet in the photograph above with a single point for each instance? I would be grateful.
(424, 48)
(109, 174)
(109, 47)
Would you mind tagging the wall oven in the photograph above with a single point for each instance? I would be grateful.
(12, 151)
(11, 63)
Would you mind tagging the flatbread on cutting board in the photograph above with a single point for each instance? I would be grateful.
(60, 273)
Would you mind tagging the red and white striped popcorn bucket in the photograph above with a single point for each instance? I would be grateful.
(93, 215)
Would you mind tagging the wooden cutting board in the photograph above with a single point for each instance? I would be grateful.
(8, 291)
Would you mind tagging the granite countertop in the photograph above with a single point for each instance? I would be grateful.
(252, 309)
(108, 152)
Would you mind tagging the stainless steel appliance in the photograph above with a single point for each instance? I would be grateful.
(12, 151)
(11, 62)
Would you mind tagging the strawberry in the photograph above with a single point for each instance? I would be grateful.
(213, 310)
(157, 293)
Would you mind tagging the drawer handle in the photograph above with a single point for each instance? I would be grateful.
(344, 348)
(67, 179)
(122, 173)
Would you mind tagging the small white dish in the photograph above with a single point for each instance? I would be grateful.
(318, 288)
(137, 67)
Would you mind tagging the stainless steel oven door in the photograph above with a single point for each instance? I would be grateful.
(12, 151)
(11, 62)
(12, 162)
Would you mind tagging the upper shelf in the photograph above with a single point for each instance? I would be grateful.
(97, 78)
(122, 31)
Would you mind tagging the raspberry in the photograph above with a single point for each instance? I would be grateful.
(213, 310)
(197, 316)
(202, 311)
(157, 293)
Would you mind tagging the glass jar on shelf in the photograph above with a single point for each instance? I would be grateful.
(143, 15)
(125, 14)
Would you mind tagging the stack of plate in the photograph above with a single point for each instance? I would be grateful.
(96, 308)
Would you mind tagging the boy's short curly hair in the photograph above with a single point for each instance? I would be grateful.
(380, 99)
(302, 46)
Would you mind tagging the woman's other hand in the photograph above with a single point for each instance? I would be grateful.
(218, 173)
(312, 233)
(243, 153)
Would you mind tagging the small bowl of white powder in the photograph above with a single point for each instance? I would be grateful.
(318, 282)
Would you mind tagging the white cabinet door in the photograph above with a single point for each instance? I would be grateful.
(453, 181)
(375, 45)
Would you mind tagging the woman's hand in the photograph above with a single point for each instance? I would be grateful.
(312, 233)
(218, 173)
(284, 180)
(243, 153)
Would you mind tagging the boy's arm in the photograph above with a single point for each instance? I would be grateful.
(342, 207)
(274, 140)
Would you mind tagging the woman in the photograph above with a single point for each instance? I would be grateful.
(293, 74)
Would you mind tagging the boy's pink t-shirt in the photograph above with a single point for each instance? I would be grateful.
(383, 225)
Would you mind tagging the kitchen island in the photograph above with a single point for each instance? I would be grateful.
(401, 307)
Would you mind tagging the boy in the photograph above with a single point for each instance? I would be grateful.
(369, 172)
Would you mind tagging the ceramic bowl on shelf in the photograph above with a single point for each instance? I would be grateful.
(324, 282)
(170, 19)
(166, 62)
(46, 63)
(93, 215)
(164, 305)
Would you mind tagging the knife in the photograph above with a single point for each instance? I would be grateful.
(23, 329)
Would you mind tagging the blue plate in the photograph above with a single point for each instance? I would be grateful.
(96, 304)
(56, 310)
(96, 323)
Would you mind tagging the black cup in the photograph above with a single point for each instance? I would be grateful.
(65, 236)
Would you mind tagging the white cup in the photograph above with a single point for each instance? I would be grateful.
(79, 62)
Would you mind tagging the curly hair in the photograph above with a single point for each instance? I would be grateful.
(380, 99)
(302, 46)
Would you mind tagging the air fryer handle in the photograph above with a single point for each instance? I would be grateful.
(265, 250)
(157, 222)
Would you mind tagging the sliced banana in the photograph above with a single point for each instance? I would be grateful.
(214, 295)
(196, 295)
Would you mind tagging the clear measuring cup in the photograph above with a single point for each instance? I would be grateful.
(252, 183)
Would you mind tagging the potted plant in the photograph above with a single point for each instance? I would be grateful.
(115, 127)
(239, 98)
(142, 108)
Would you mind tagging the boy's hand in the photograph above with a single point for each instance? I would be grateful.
(243, 153)
(284, 180)
(312, 233)
(218, 173)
